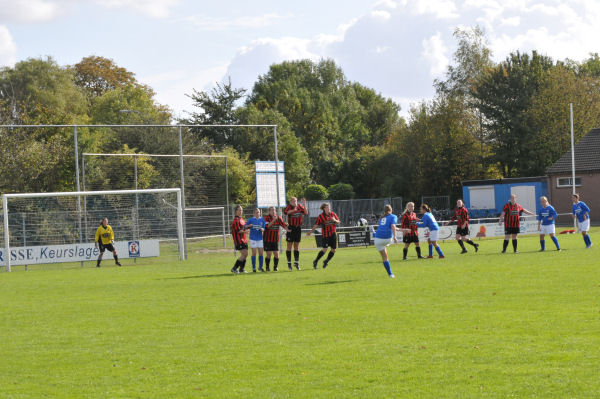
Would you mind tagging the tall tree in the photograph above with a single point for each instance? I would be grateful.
(97, 75)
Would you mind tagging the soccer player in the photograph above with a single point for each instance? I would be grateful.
(238, 233)
(271, 237)
(104, 239)
(256, 224)
(581, 212)
(510, 216)
(295, 213)
(461, 215)
(327, 220)
(385, 233)
(546, 217)
(428, 220)
(410, 230)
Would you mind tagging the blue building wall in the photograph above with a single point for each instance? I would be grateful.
(502, 193)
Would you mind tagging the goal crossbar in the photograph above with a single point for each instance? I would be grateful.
(6, 197)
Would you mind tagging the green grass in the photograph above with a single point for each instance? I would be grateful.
(480, 325)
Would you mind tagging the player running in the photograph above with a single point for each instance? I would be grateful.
(428, 221)
(511, 213)
(327, 220)
(410, 230)
(546, 217)
(271, 237)
(256, 224)
(581, 213)
(105, 239)
(461, 215)
(238, 233)
(295, 213)
(384, 235)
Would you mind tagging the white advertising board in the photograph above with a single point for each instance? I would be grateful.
(266, 183)
(78, 252)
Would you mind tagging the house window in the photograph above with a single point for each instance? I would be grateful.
(568, 182)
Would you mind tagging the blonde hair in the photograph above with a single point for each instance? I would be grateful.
(543, 197)
(407, 204)
(324, 204)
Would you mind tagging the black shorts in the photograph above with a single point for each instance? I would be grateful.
(408, 239)
(330, 242)
(271, 246)
(294, 235)
(241, 247)
(108, 246)
(462, 232)
(512, 230)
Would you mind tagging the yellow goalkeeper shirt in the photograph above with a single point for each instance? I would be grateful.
(104, 233)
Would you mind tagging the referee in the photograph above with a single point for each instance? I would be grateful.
(295, 213)
(511, 213)
(104, 239)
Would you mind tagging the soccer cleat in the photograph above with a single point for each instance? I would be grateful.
(253, 270)
(441, 256)
(392, 276)
(260, 269)
(504, 251)
(275, 269)
(297, 266)
(98, 265)
(290, 268)
(118, 264)
(324, 264)
(268, 269)
(464, 251)
(588, 246)
(429, 256)
(234, 271)
(476, 247)
(420, 257)
(404, 259)
(315, 264)
(516, 251)
(542, 250)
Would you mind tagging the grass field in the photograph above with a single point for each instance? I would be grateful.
(480, 325)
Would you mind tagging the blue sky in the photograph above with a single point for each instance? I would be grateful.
(397, 47)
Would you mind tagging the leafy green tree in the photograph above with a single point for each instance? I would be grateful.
(314, 192)
(98, 75)
(341, 191)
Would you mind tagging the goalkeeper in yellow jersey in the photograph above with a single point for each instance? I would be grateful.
(104, 239)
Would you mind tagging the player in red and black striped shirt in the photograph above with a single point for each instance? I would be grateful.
(238, 233)
(410, 230)
(271, 237)
(461, 215)
(295, 213)
(327, 221)
(510, 217)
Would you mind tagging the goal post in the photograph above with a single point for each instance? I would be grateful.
(55, 219)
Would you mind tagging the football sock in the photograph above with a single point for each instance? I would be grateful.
(588, 240)
(387, 266)
(405, 252)
(555, 240)
(116, 259)
(504, 245)
(470, 242)
(296, 256)
(543, 244)
(99, 260)
(288, 255)
(242, 265)
(514, 242)
(268, 262)
(319, 255)
(439, 251)
(237, 264)
(430, 249)
(275, 262)
(260, 261)
(254, 262)
(462, 245)
(418, 251)
(329, 256)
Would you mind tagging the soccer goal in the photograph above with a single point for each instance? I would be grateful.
(59, 227)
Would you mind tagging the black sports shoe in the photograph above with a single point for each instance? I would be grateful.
(464, 251)
(297, 266)
(420, 257)
(504, 251)
(290, 268)
(268, 269)
(260, 269)
(324, 264)
(234, 271)
(315, 264)
(275, 269)
(118, 264)
(476, 247)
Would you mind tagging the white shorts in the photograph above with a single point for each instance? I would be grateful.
(433, 235)
(584, 226)
(381, 243)
(547, 229)
(256, 243)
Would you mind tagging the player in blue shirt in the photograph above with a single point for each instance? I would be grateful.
(581, 212)
(428, 221)
(546, 217)
(256, 224)
(384, 235)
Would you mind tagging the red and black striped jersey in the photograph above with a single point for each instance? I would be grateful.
(295, 217)
(409, 221)
(461, 215)
(327, 223)
(271, 233)
(512, 212)
(238, 232)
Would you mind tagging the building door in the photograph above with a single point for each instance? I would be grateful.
(525, 197)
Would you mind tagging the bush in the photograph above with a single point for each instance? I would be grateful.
(315, 192)
(341, 191)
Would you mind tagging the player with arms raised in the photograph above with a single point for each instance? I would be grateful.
(327, 220)
(295, 213)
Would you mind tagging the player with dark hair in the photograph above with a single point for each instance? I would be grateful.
(238, 233)
(461, 215)
(581, 213)
(428, 220)
(510, 216)
(410, 230)
(327, 220)
(546, 217)
(295, 213)
(384, 235)
(271, 237)
(104, 239)
(256, 224)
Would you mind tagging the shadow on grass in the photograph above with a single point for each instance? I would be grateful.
(202, 276)
(332, 282)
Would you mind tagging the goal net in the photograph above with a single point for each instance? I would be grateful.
(40, 228)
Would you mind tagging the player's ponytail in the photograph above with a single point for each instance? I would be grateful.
(387, 209)
(425, 207)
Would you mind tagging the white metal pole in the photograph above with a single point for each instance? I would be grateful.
(6, 232)
(180, 225)
(182, 184)
(572, 157)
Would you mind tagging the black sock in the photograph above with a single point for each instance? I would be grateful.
(461, 244)
(296, 256)
(418, 251)
(116, 259)
(320, 255)
(288, 255)
(242, 264)
(504, 245)
(275, 262)
(267, 262)
(99, 260)
(405, 252)
(514, 242)
(470, 242)
(329, 256)
(237, 264)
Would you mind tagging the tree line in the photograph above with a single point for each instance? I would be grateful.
(338, 138)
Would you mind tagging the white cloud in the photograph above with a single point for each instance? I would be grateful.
(8, 48)
(219, 24)
(28, 10)
(151, 8)
(386, 4)
(385, 15)
(441, 9)
(434, 52)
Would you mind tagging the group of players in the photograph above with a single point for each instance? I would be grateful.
(264, 231)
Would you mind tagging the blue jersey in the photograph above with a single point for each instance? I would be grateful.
(547, 215)
(384, 229)
(257, 224)
(428, 220)
(580, 209)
